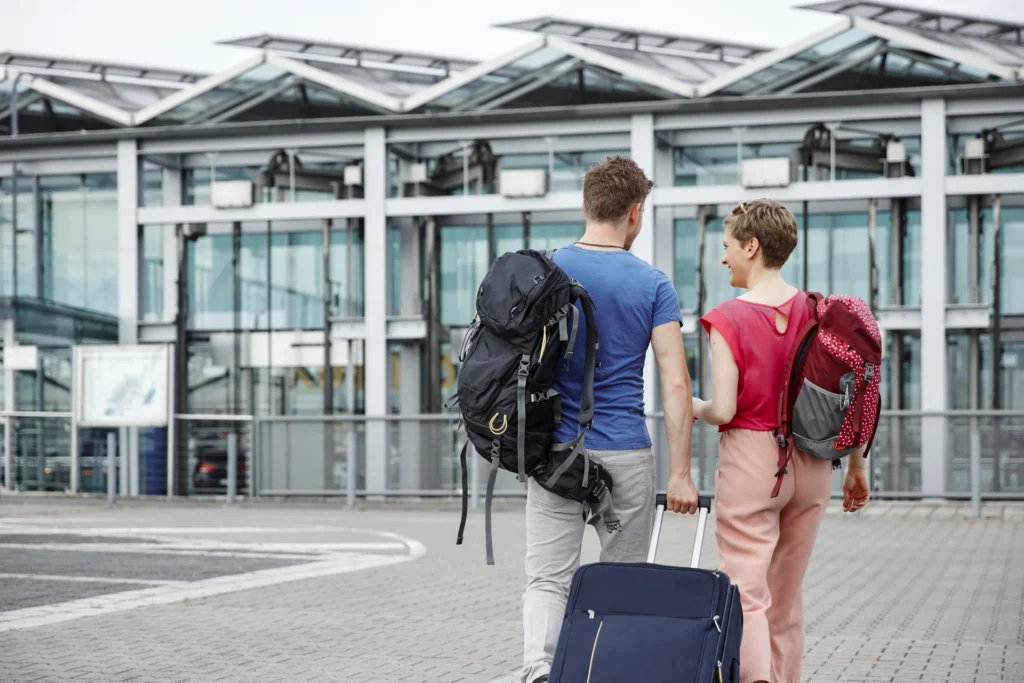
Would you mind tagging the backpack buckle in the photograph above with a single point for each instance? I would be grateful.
(780, 439)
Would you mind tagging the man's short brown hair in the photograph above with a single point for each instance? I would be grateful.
(771, 223)
(611, 187)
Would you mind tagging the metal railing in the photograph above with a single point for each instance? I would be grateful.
(316, 455)
(418, 456)
(214, 456)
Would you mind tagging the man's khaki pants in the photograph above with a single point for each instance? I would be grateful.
(554, 534)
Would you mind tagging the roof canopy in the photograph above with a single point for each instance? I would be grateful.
(872, 45)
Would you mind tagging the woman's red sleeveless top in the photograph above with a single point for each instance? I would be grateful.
(760, 351)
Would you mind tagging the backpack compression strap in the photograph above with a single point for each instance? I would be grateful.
(590, 362)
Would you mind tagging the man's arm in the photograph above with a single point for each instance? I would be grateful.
(670, 354)
(725, 376)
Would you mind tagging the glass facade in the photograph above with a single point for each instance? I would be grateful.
(466, 257)
(565, 169)
(151, 271)
(245, 278)
(79, 216)
(284, 291)
(703, 164)
(19, 276)
(1012, 252)
(836, 247)
(66, 249)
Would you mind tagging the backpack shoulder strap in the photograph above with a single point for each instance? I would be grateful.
(794, 360)
(590, 361)
(549, 253)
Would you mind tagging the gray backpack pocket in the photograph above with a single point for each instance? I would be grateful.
(818, 416)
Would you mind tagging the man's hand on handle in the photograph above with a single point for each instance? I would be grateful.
(682, 494)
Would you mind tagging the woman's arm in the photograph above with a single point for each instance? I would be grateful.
(721, 407)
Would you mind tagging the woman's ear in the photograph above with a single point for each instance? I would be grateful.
(751, 247)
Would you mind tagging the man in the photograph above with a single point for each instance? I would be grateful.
(635, 306)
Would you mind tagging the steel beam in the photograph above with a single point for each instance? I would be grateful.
(576, 115)
(933, 297)
(270, 141)
(282, 211)
(375, 288)
(482, 204)
(556, 126)
(996, 183)
(797, 192)
(981, 106)
(61, 166)
(769, 59)
(782, 114)
(56, 152)
(532, 145)
(473, 73)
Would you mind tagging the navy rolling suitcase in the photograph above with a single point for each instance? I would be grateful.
(653, 623)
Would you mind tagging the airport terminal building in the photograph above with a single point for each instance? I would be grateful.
(281, 259)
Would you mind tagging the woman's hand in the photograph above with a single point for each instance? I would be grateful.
(855, 489)
(698, 408)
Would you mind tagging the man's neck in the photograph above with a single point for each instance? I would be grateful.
(602, 235)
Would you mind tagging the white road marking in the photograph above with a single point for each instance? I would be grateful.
(32, 617)
(88, 579)
(140, 549)
(16, 528)
(322, 559)
(212, 548)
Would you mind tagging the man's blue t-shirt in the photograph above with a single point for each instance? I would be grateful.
(631, 298)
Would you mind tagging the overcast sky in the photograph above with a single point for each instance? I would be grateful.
(181, 33)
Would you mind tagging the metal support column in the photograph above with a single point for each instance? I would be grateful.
(177, 475)
(702, 341)
(128, 289)
(418, 468)
(351, 445)
(232, 467)
(432, 299)
(934, 394)
(111, 468)
(897, 400)
(997, 342)
(328, 370)
(10, 405)
(375, 273)
(641, 142)
(974, 353)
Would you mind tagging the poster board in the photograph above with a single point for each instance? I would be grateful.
(123, 385)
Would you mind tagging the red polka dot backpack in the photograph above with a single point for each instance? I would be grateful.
(830, 400)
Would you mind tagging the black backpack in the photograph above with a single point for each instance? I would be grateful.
(526, 322)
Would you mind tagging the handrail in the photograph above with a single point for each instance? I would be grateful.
(34, 413)
(213, 417)
(452, 417)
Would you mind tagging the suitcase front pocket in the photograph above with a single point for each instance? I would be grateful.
(612, 648)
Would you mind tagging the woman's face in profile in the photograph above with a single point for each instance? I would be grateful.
(735, 258)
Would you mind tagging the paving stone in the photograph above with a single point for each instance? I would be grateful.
(898, 593)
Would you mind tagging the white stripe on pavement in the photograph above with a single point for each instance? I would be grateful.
(88, 579)
(32, 617)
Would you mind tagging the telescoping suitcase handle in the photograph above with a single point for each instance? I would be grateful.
(703, 509)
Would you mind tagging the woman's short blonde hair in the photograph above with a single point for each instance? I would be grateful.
(771, 223)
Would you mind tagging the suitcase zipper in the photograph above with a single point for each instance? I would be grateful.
(593, 651)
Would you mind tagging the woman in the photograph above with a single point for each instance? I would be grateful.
(764, 542)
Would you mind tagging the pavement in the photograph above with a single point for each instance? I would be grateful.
(171, 591)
